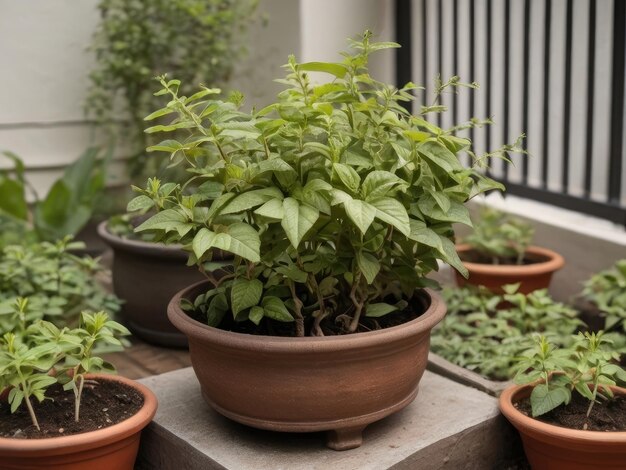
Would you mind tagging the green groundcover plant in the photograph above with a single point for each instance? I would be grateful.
(57, 284)
(586, 367)
(479, 336)
(334, 200)
(31, 352)
(500, 238)
(607, 291)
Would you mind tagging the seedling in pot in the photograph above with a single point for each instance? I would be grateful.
(587, 367)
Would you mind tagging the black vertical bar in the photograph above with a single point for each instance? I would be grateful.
(591, 77)
(472, 45)
(546, 94)
(425, 77)
(488, 76)
(404, 53)
(440, 47)
(617, 103)
(526, 86)
(455, 56)
(567, 103)
(507, 79)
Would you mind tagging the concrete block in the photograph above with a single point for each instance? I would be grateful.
(448, 426)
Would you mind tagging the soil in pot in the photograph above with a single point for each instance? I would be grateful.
(475, 257)
(104, 403)
(605, 416)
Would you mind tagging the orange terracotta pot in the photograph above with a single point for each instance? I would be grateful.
(112, 448)
(550, 447)
(530, 276)
(338, 384)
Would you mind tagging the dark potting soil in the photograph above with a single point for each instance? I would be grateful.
(104, 403)
(269, 327)
(475, 257)
(605, 416)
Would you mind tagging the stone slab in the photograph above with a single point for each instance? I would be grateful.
(447, 426)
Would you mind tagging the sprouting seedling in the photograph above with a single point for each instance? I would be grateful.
(585, 367)
(95, 330)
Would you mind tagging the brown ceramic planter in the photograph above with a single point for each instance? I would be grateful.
(110, 448)
(558, 448)
(338, 384)
(146, 276)
(530, 276)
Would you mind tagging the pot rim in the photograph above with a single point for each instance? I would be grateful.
(91, 439)
(285, 344)
(125, 244)
(529, 425)
(553, 263)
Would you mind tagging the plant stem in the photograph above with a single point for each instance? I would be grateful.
(79, 395)
(358, 304)
(31, 411)
(298, 310)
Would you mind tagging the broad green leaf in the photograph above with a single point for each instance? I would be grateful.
(245, 242)
(361, 213)
(205, 239)
(275, 309)
(250, 199)
(439, 155)
(393, 212)
(544, 399)
(378, 184)
(368, 264)
(450, 256)
(139, 203)
(338, 70)
(297, 220)
(379, 309)
(166, 220)
(12, 198)
(348, 176)
(422, 234)
(272, 209)
(456, 213)
(245, 294)
(256, 314)
(217, 309)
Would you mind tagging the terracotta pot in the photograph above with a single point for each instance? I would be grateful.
(557, 448)
(110, 448)
(146, 276)
(338, 384)
(530, 276)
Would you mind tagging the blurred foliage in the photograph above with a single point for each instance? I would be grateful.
(198, 41)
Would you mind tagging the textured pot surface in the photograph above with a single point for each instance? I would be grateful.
(110, 448)
(558, 448)
(338, 384)
(530, 276)
(146, 276)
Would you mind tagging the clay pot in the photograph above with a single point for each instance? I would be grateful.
(557, 448)
(146, 276)
(114, 447)
(530, 276)
(338, 384)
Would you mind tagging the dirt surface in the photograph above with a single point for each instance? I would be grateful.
(103, 404)
(605, 416)
(475, 257)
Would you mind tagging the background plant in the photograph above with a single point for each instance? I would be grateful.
(27, 359)
(479, 336)
(587, 367)
(57, 284)
(607, 291)
(199, 41)
(67, 207)
(334, 200)
(499, 237)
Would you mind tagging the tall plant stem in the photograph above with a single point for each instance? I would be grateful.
(78, 396)
(297, 310)
(31, 411)
(358, 304)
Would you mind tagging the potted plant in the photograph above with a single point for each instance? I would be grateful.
(568, 410)
(335, 202)
(499, 252)
(146, 275)
(478, 341)
(60, 410)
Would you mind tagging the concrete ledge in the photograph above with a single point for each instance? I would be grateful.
(448, 426)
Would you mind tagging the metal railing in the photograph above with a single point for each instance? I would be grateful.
(553, 69)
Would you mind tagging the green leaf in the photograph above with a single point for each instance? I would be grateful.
(378, 184)
(368, 264)
(250, 199)
(450, 256)
(245, 294)
(256, 314)
(379, 309)
(12, 198)
(297, 220)
(217, 309)
(167, 220)
(456, 213)
(544, 398)
(338, 70)
(275, 309)
(348, 176)
(245, 242)
(361, 213)
(206, 239)
(272, 209)
(139, 203)
(438, 154)
(393, 212)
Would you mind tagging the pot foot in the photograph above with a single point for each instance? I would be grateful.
(345, 438)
